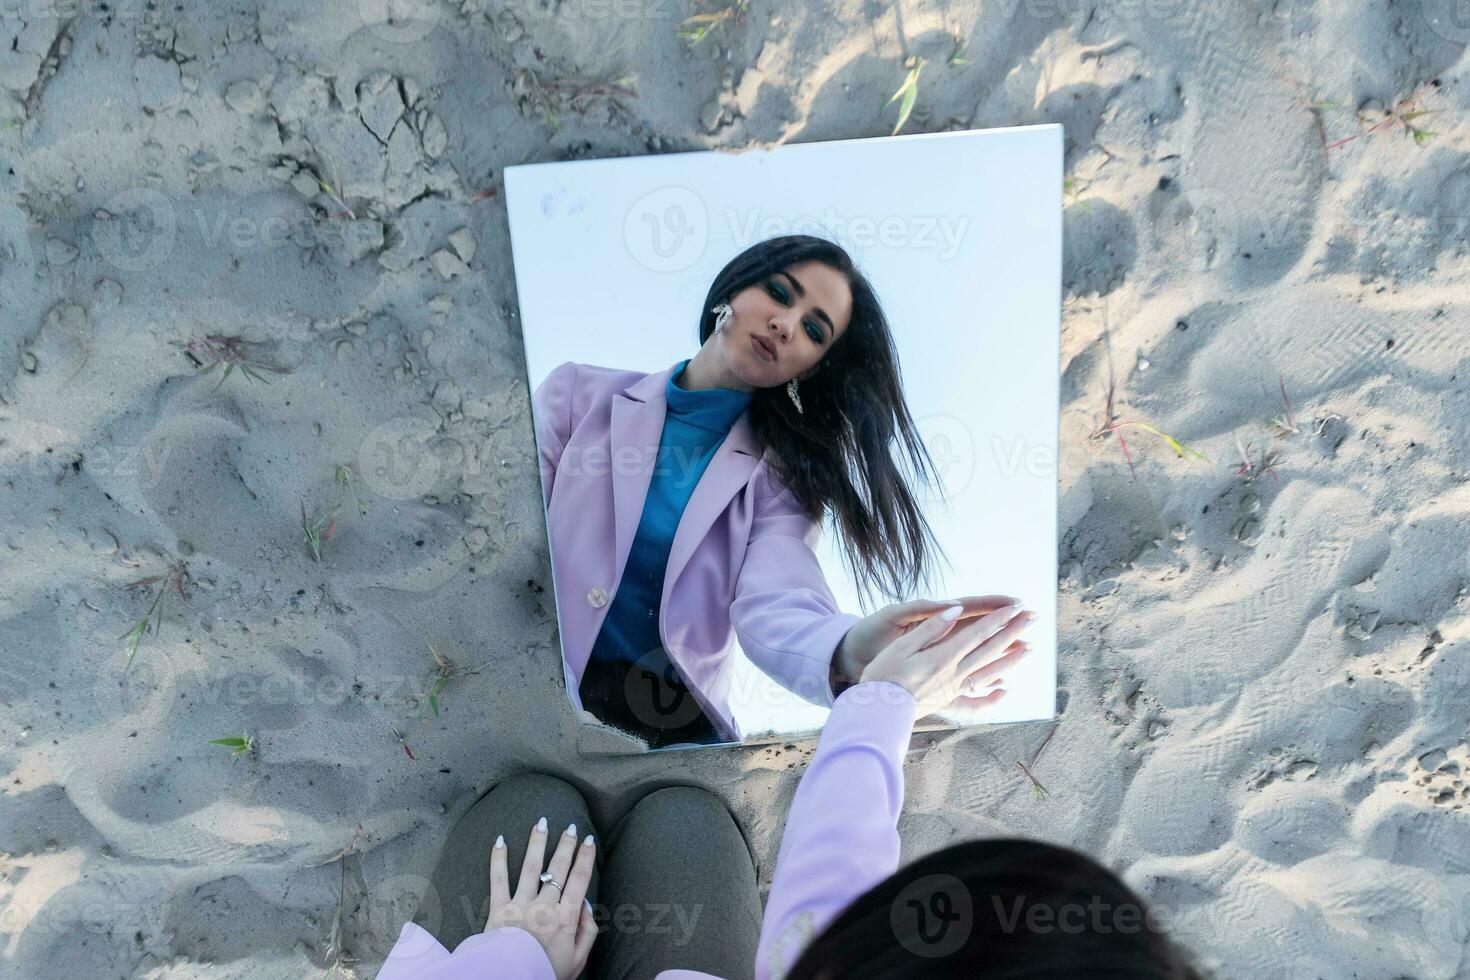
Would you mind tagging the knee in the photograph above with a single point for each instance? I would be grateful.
(541, 786)
(686, 805)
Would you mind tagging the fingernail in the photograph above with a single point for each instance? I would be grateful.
(588, 841)
(500, 842)
(950, 612)
(541, 825)
(571, 830)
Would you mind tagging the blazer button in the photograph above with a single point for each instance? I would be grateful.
(597, 597)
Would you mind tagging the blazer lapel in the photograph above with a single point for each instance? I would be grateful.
(729, 470)
(635, 429)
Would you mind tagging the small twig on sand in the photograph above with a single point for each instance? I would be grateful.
(318, 530)
(1397, 114)
(338, 960)
(1028, 767)
(444, 670)
(403, 742)
(1285, 424)
(1111, 426)
(348, 479)
(1269, 459)
(174, 579)
(228, 353)
(697, 27)
(578, 94)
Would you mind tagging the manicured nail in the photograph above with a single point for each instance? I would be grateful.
(500, 842)
(588, 841)
(571, 830)
(541, 825)
(950, 612)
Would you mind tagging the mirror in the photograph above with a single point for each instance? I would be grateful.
(700, 598)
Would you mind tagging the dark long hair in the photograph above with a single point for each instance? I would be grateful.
(836, 454)
(1003, 909)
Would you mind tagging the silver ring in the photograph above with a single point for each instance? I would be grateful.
(546, 879)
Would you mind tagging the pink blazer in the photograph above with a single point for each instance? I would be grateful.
(741, 563)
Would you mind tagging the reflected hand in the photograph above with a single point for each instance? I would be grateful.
(867, 637)
(559, 917)
(947, 664)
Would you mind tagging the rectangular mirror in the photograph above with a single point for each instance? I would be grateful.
(701, 598)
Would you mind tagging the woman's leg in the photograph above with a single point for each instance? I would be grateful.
(457, 902)
(678, 891)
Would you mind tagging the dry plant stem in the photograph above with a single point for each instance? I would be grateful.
(228, 353)
(1111, 426)
(1027, 767)
(697, 27)
(338, 962)
(444, 670)
(318, 530)
(1285, 425)
(403, 742)
(1397, 115)
(347, 479)
(175, 579)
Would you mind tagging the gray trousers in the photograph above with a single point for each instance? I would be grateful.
(674, 885)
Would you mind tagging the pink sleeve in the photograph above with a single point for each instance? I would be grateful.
(551, 413)
(784, 614)
(507, 953)
(841, 835)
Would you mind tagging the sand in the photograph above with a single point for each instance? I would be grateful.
(1264, 670)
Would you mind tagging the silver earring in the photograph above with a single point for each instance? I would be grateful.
(722, 314)
(795, 399)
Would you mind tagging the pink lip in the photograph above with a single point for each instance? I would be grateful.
(760, 345)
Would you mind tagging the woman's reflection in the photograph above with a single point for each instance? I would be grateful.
(682, 504)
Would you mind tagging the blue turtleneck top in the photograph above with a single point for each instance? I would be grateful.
(695, 424)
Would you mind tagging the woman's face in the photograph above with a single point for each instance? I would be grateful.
(799, 311)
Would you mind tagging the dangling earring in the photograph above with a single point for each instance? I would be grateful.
(722, 314)
(795, 398)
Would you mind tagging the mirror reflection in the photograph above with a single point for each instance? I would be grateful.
(749, 498)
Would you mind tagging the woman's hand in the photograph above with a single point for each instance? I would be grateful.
(559, 918)
(945, 661)
(869, 636)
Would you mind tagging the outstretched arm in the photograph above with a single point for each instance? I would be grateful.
(841, 835)
(783, 613)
